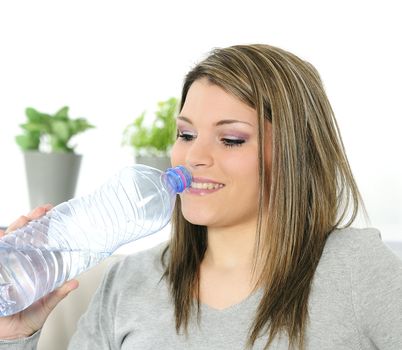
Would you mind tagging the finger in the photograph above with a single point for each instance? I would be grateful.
(60, 293)
(24, 219)
(20, 222)
(2, 233)
(39, 211)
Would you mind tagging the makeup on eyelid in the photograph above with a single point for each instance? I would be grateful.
(227, 140)
(235, 135)
(227, 134)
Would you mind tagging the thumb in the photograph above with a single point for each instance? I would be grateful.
(36, 315)
(60, 293)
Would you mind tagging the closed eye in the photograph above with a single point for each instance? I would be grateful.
(186, 136)
(232, 142)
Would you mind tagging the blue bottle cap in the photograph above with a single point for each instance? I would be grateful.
(179, 177)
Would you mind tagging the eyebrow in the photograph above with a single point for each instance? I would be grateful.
(221, 122)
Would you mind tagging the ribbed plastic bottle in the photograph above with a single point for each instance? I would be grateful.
(79, 233)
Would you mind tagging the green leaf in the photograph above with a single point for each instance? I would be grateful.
(34, 127)
(160, 136)
(61, 114)
(34, 116)
(28, 141)
(59, 145)
(140, 120)
(79, 125)
(61, 131)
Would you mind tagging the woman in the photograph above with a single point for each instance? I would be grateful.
(261, 255)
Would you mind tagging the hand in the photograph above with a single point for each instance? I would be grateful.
(28, 321)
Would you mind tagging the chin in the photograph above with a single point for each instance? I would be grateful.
(197, 218)
(196, 221)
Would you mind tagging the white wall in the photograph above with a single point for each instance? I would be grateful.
(110, 60)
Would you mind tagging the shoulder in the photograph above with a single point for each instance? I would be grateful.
(145, 260)
(360, 251)
(350, 236)
(348, 243)
(138, 269)
(374, 274)
(147, 257)
(131, 290)
(357, 253)
(356, 290)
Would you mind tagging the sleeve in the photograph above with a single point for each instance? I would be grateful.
(95, 329)
(29, 343)
(377, 291)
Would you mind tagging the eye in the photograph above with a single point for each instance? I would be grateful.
(186, 136)
(231, 142)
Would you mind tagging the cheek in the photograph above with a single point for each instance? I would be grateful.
(244, 172)
(248, 170)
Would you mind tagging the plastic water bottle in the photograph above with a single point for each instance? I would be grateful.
(79, 233)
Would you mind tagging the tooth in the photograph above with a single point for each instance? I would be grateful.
(206, 186)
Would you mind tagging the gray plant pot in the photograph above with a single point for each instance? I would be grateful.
(51, 177)
(161, 163)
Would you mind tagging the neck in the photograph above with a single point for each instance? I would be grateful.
(230, 248)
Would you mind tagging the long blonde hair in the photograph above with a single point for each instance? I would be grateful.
(309, 191)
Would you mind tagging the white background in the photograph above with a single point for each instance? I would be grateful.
(110, 60)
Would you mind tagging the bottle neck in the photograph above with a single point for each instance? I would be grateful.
(179, 178)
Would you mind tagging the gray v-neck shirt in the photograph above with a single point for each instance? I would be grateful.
(355, 303)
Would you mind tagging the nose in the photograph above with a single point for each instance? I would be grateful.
(199, 154)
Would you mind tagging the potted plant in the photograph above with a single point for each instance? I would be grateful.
(52, 166)
(152, 142)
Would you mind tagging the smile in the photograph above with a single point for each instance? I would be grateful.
(206, 185)
(202, 186)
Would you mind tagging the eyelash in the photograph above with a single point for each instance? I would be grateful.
(232, 142)
(185, 137)
(225, 141)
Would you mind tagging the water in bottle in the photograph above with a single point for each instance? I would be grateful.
(79, 233)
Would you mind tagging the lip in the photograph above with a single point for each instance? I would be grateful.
(205, 180)
(203, 191)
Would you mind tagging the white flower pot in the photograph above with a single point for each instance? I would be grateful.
(51, 177)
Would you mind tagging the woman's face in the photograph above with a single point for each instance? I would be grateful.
(218, 142)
